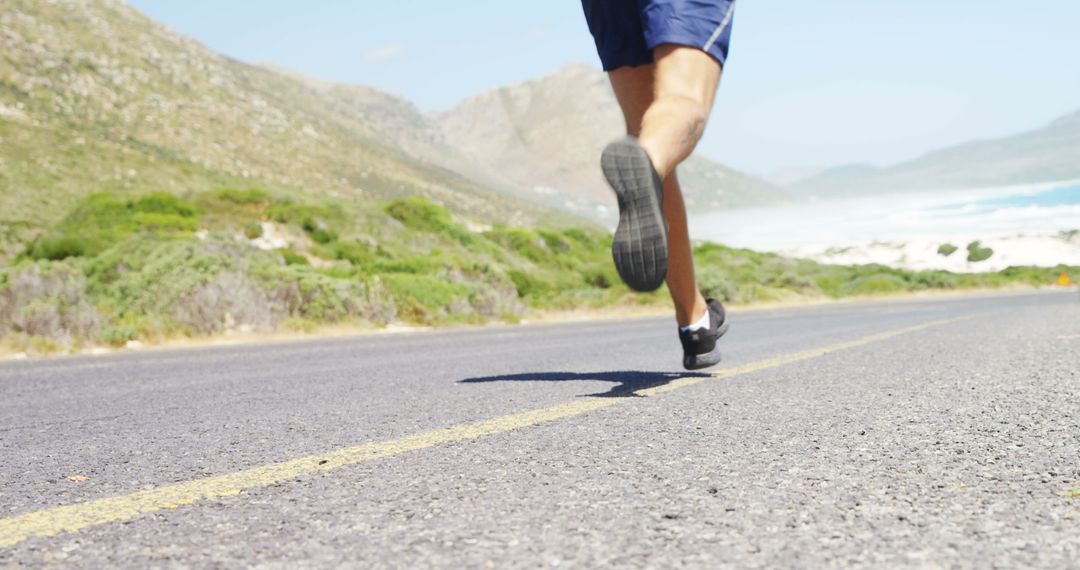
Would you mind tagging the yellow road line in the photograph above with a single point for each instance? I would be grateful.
(78, 516)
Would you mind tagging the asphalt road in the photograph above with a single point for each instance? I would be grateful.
(917, 433)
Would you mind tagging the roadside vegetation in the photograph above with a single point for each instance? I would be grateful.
(121, 268)
(946, 249)
(977, 253)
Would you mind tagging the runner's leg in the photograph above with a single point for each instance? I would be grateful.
(634, 89)
(685, 84)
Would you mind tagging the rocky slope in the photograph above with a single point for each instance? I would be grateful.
(95, 96)
(545, 136)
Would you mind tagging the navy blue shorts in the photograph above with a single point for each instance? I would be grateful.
(626, 31)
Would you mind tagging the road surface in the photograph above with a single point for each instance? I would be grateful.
(940, 432)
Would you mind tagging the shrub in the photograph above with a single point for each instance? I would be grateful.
(554, 242)
(117, 335)
(876, 284)
(587, 238)
(423, 298)
(601, 278)
(528, 285)
(248, 197)
(419, 214)
(323, 236)
(293, 258)
(522, 241)
(102, 220)
(47, 299)
(55, 248)
(790, 280)
(947, 249)
(977, 253)
(318, 230)
(163, 222)
(415, 264)
(933, 279)
(253, 230)
(308, 217)
(354, 252)
(163, 203)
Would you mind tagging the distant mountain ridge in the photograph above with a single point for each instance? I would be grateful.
(545, 136)
(1047, 154)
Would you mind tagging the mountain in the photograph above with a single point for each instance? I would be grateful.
(1048, 154)
(544, 137)
(95, 96)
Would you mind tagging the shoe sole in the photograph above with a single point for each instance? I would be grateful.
(639, 247)
(712, 358)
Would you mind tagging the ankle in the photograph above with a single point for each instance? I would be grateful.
(696, 311)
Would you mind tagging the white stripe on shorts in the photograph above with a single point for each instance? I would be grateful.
(719, 29)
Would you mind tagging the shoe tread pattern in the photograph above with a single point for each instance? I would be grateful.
(639, 247)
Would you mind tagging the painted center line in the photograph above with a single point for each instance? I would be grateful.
(79, 516)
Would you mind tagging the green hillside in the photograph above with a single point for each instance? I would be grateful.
(96, 97)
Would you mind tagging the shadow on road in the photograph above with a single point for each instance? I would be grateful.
(627, 383)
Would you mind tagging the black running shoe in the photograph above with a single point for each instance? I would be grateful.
(700, 348)
(640, 246)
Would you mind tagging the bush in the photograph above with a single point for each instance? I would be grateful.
(790, 280)
(47, 299)
(354, 252)
(163, 203)
(253, 230)
(55, 248)
(522, 241)
(251, 196)
(163, 222)
(977, 253)
(293, 258)
(528, 285)
(934, 279)
(946, 249)
(102, 220)
(419, 214)
(415, 264)
(323, 237)
(424, 298)
(318, 230)
(117, 335)
(601, 278)
(876, 284)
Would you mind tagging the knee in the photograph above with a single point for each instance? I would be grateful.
(693, 109)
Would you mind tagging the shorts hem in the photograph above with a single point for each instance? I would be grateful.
(717, 50)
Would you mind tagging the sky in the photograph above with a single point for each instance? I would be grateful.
(807, 84)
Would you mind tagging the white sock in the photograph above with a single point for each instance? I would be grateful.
(703, 323)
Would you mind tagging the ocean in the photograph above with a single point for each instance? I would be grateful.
(1000, 211)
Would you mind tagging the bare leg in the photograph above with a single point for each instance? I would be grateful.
(634, 89)
(689, 302)
(685, 85)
